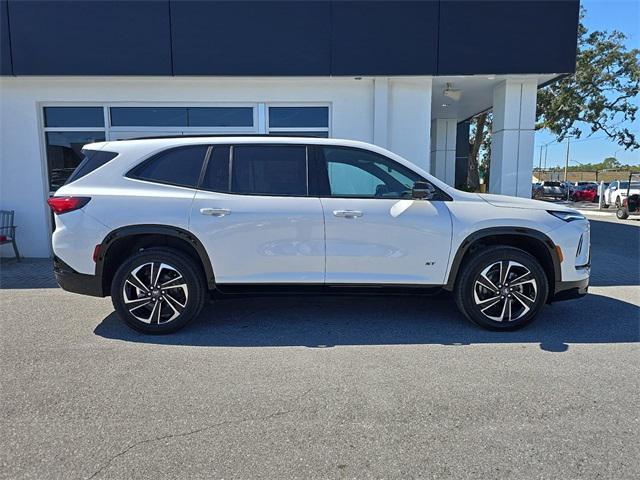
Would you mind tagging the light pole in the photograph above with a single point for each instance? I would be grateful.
(546, 148)
(566, 165)
(615, 155)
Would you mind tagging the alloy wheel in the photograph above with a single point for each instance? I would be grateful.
(505, 291)
(155, 293)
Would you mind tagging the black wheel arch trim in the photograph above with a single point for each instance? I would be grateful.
(153, 229)
(497, 231)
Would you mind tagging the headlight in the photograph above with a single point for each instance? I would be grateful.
(567, 216)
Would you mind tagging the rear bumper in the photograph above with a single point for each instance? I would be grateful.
(570, 290)
(75, 282)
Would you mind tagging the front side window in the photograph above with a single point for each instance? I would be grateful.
(358, 173)
(178, 166)
(269, 170)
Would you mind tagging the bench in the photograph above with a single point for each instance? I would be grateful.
(8, 230)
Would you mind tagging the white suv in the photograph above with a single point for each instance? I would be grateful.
(157, 223)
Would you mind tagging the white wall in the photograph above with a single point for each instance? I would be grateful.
(410, 119)
(514, 115)
(22, 159)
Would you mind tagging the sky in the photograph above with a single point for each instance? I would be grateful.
(622, 15)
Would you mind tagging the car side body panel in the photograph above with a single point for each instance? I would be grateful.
(261, 239)
(391, 242)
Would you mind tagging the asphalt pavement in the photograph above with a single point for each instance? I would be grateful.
(324, 387)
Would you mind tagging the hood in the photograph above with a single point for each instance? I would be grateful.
(526, 203)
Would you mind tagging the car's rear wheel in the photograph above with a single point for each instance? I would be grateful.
(501, 288)
(158, 290)
(622, 213)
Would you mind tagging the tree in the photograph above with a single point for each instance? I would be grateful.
(479, 149)
(600, 94)
(609, 162)
(475, 141)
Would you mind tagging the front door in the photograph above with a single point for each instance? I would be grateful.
(254, 216)
(375, 232)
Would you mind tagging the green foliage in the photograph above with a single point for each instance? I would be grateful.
(609, 163)
(601, 94)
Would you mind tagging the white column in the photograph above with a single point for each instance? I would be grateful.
(514, 114)
(381, 111)
(410, 119)
(443, 149)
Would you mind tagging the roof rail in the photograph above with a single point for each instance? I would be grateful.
(240, 135)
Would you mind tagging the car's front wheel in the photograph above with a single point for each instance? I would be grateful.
(501, 288)
(158, 290)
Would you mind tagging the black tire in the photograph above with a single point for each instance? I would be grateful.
(622, 213)
(618, 202)
(468, 292)
(175, 306)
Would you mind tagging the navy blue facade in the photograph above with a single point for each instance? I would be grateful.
(251, 38)
(507, 37)
(90, 37)
(5, 45)
(384, 38)
(286, 38)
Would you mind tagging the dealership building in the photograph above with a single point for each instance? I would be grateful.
(405, 75)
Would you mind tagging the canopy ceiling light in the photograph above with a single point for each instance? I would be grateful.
(452, 93)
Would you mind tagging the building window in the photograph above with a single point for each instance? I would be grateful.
(181, 116)
(67, 130)
(74, 117)
(312, 121)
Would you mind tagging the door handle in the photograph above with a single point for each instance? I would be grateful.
(347, 213)
(215, 212)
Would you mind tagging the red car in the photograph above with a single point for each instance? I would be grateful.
(585, 193)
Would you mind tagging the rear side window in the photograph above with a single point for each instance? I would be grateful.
(92, 160)
(269, 170)
(179, 166)
(216, 177)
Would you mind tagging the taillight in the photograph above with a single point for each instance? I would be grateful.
(62, 205)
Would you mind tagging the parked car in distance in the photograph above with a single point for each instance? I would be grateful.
(554, 190)
(536, 190)
(585, 193)
(631, 201)
(158, 223)
(618, 190)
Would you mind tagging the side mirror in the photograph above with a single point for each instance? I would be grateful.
(422, 191)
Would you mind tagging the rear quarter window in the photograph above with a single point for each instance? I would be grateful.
(93, 159)
(179, 166)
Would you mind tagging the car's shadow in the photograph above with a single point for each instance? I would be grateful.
(321, 322)
(615, 259)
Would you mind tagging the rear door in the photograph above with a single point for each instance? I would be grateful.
(254, 216)
(375, 231)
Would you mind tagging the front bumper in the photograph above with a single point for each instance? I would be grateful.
(75, 282)
(570, 290)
